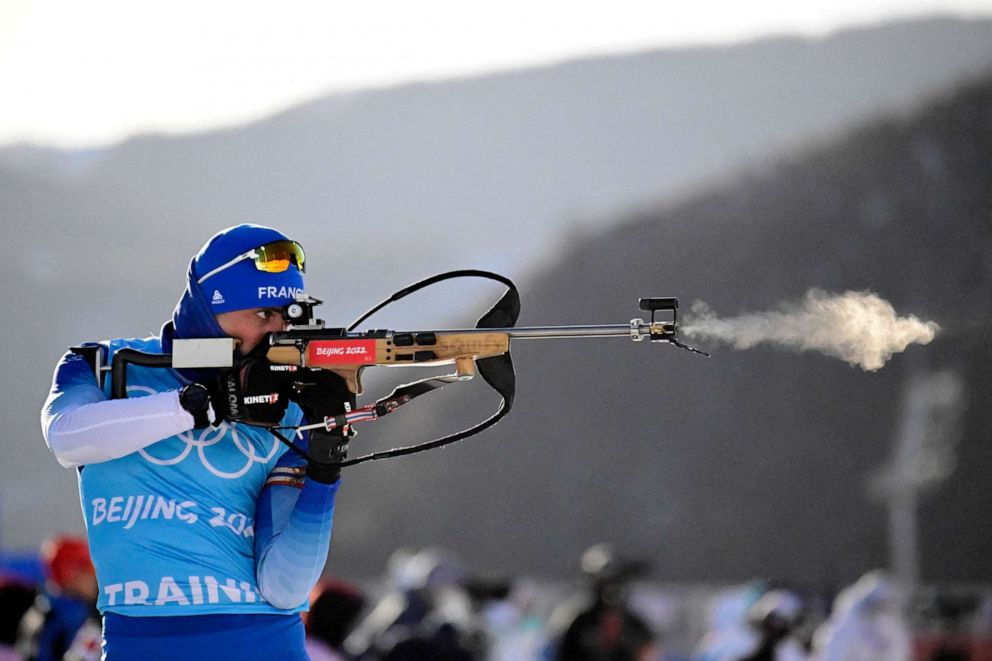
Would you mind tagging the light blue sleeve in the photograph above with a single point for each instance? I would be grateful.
(73, 385)
(292, 532)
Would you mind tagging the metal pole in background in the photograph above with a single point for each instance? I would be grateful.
(924, 455)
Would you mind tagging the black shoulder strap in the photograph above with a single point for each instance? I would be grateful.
(497, 371)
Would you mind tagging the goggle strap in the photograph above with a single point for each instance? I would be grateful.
(250, 254)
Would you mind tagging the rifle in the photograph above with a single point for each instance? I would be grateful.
(485, 350)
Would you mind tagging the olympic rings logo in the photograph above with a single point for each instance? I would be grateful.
(204, 439)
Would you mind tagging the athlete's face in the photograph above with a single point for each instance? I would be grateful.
(250, 326)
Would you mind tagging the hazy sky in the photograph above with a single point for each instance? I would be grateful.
(76, 72)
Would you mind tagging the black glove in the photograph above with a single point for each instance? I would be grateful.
(196, 398)
(254, 391)
(327, 451)
(321, 394)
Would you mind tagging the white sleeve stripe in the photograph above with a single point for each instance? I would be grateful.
(104, 423)
(100, 431)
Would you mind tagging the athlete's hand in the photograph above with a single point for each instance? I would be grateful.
(196, 399)
(321, 393)
(256, 391)
(265, 390)
(327, 451)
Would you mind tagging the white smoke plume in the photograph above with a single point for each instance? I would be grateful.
(857, 327)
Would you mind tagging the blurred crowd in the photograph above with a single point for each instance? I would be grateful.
(57, 619)
(428, 607)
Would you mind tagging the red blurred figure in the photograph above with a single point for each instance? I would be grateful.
(67, 564)
(63, 622)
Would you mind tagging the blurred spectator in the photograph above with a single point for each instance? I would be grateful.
(426, 614)
(730, 637)
(776, 617)
(952, 629)
(16, 598)
(334, 609)
(866, 624)
(63, 623)
(606, 629)
(509, 624)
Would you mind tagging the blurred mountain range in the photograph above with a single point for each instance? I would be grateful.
(538, 174)
(749, 464)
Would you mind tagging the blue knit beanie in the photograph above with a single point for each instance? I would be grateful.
(241, 286)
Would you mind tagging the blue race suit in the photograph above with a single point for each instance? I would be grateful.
(172, 527)
(217, 523)
(209, 521)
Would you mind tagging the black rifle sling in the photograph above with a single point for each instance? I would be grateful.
(497, 371)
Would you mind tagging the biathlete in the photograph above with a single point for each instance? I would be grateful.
(206, 534)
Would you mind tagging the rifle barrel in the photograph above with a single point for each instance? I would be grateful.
(556, 332)
(632, 329)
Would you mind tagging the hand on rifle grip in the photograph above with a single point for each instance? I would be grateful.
(321, 393)
(327, 451)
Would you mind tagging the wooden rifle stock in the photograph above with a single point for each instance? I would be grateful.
(348, 356)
